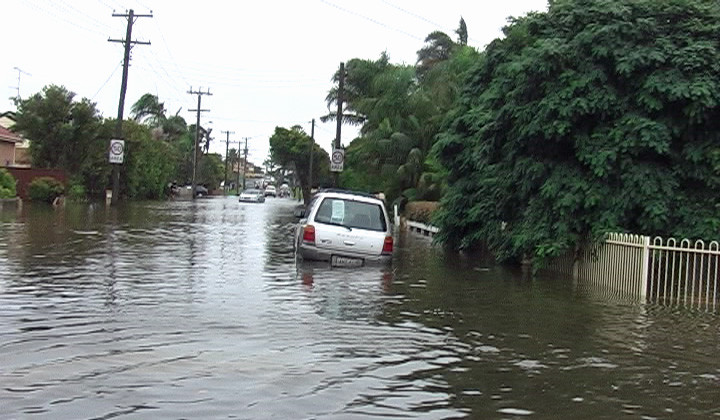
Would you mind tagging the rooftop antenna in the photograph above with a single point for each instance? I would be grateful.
(20, 72)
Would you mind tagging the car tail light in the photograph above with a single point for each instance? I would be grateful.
(309, 234)
(388, 245)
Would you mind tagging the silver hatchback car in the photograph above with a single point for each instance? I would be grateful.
(348, 229)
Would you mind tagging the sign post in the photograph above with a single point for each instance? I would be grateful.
(117, 151)
(337, 159)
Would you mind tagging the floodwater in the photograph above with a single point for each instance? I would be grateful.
(197, 310)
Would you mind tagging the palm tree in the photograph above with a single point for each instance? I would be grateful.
(149, 109)
(438, 48)
(462, 32)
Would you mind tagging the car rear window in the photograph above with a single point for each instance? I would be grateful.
(352, 214)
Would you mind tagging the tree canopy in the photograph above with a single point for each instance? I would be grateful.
(599, 115)
(291, 148)
(70, 134)
(401, 109)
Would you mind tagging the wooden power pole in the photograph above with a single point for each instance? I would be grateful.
(227, 145)
(245, 161)
(312, 149)
(131, 17)
(341, 86)
(196, 147)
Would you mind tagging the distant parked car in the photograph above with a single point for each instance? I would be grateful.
(270, 191)
(346, 228)
(252, 195)
(200, 191)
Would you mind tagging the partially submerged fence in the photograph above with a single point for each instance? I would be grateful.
(668, 271)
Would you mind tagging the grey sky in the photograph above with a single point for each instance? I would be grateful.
(267, 63)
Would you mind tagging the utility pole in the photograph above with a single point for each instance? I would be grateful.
(245, 161)
(341, 86)
(128, 43)
(196, 145)
(312, 149)
(227, 145)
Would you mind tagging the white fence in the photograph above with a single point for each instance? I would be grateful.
(413, 226)
(668, 271)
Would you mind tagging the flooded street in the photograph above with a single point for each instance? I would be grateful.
(198, 310)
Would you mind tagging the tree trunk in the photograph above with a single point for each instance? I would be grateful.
(306, 194)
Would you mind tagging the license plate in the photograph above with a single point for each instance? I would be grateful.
(337, 261)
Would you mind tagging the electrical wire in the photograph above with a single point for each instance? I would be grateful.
(372, 20)
(437, 25)
(106, 81)
(56, 16)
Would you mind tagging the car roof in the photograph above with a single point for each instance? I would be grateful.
(355, 195)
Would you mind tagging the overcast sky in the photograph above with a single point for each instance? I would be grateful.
(267, 63)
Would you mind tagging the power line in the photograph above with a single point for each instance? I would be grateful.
(57, 16)
(371, 20)
(437, 25)
(108, 79)
(170, 53)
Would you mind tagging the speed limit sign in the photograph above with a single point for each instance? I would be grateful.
(117, 151)
(337, 159)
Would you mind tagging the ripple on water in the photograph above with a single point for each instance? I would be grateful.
(199, 310)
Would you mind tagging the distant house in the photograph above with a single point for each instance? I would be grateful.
(8, 140)
(21, 148)
(7, 119)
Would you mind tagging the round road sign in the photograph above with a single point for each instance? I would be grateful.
(337, 157)
(116, 148)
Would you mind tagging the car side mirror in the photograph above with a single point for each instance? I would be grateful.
(299, 212)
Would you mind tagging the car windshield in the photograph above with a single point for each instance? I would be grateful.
(251, 192)
(351, 214)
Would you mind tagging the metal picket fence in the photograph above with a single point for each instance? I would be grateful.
(667, 271)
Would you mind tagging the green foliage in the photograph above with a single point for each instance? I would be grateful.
(596, 116)
(291, 148)
(401, 116)
(150, 165)
(76, 192)
(64, 134)
(45, 189)
(7, 184)
(149, 109)
(71, 135)
(210, 171)
(62, 130)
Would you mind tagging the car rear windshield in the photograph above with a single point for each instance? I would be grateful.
(352, 214)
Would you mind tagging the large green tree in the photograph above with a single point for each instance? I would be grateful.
(599, 115)
(291, 148)
(63, 130)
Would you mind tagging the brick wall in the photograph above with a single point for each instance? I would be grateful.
(25, 175)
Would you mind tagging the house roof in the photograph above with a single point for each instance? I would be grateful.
(8, 114)
(8, 136)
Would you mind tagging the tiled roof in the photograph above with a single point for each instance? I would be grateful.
(8, 136)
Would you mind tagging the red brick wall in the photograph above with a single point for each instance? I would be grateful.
(7, 153)
(25, 175)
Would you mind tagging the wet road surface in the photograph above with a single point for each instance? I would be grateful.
(198, 310)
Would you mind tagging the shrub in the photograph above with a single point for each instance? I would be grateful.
(420, 211)
(45, 189)
(7, 184)
(76, 192)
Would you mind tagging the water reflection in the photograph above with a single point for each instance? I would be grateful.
(198, 309)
